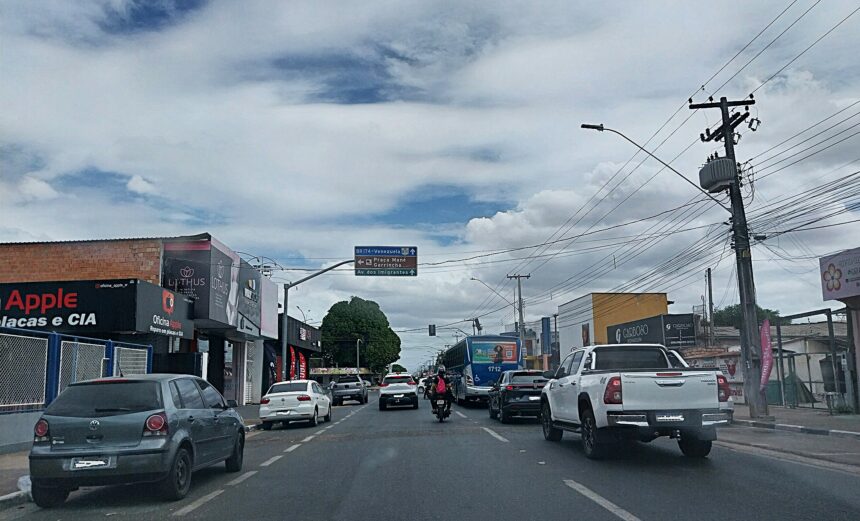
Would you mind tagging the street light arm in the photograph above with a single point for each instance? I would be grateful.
(601, 128)
(494, 291)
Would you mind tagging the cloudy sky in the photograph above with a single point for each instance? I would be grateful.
(297, 130)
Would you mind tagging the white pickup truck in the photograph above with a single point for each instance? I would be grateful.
(616, 394)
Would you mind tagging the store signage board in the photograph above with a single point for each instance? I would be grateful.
(386, 261)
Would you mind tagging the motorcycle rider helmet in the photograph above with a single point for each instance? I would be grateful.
(441, 371)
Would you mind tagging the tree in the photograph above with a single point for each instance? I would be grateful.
(397, 368)
(359, 319)
(731, 316)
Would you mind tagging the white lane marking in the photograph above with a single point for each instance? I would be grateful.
(242, 478)
(317, 433)
(270, 460)
(291, 448)
(461, 415)
(600, 500)
(309, 438)
(327, 428)
(252, 434)
(197, 504)
(495, 434)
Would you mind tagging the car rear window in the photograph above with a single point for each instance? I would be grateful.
(398, 379)
(527, 378)
(608, 358)
(289, 387)
(99, 399)
(347, 380)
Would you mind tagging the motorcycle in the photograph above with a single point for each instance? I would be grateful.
(442, 411)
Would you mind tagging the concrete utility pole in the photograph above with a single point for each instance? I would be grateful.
(750, 338)
(710, 309)
(287, 287)
(522, 327)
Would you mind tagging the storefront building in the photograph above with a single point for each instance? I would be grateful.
(204, 310)
(303, 342)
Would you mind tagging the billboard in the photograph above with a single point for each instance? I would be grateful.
(96, 307)
(840, 275)
(672, 331)
(494, 352)
(207, 274)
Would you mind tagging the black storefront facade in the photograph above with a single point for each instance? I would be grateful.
(125, 310)
(303, 342)
(235, 310)
(675, 331)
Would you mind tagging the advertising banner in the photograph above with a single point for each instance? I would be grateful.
(494, 352)
(679, 330)
(90, 307)
(645, 331)
(766, 354)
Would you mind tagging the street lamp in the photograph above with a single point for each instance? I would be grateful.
(304, 318)
(601, 128)
(497, 293)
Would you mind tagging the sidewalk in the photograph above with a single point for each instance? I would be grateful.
(801, 420)
(14, 465)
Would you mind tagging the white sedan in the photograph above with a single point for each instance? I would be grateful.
(296, 400)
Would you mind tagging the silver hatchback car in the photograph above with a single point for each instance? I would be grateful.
(147, 428)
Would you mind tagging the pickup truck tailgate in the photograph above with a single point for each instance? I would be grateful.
(669, 390)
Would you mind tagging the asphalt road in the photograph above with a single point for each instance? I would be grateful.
(403, 464)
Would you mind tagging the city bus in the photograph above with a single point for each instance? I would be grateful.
(477, 361)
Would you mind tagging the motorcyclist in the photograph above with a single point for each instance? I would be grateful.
(448, 396)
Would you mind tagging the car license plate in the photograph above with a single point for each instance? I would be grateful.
(398, 396)
(91, 463)
(670, 417)
(534, 398)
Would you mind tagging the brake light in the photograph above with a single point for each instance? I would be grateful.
(509, 387)
(41, 430)
(155, 425)
(264, 401)
(612, 395)
(723, 389)
(304, 398)
(383, 384)
(669, 374)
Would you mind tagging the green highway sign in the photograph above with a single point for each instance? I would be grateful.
(386, 261)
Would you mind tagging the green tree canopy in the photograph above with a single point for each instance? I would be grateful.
(731, 316)
(348, 321)
(397, 368)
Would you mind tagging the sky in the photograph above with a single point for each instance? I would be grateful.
(298, 130)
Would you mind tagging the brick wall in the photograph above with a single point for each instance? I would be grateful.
(55, 261)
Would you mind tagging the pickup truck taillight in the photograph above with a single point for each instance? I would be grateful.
(723, 389)
(612, 395)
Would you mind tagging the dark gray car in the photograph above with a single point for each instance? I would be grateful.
(147, 428)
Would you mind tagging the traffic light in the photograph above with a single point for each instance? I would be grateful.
(432, 329)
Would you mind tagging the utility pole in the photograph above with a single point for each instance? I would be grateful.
(284, 329)
(750, 339)
(556, 345)
(522, 328)
(710, 309)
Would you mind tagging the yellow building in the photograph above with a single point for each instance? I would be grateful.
(583, 321)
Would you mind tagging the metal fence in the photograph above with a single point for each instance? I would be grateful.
(23, 372)
(36, 366)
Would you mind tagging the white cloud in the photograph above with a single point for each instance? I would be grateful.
(195, 113)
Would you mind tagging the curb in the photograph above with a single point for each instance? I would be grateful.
(14, 499)
(796, 429)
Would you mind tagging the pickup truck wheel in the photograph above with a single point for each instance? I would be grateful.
(695, 448)
(592, 448)
(550, 432)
